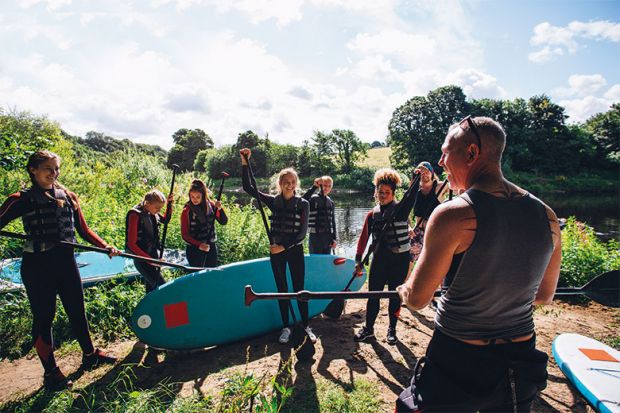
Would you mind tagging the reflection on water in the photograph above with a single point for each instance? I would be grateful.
(602, 212)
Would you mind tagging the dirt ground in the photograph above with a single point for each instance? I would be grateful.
(338, 358)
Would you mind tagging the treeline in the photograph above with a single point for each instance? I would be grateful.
(325, 152)
(539, 140)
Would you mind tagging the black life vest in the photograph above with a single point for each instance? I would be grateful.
(148, 230)
(321, 212)
(396, 237)
(48, 222)
(286, 217)
(426, 204)
(202, 222)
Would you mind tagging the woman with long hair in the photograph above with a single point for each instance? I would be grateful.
(198, 226)
(51, 214)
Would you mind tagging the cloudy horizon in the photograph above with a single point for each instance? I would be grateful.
(285, 68)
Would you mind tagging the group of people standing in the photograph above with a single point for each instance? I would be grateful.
(495, 249)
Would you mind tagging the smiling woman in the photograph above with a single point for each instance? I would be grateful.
(50, 214)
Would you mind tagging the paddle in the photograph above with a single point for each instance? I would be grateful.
(306, 347)
(105, 251)
(175, 167)
(604, 289)
(218, 197)
(335, 308)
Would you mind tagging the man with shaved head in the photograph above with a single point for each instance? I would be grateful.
(499, 248)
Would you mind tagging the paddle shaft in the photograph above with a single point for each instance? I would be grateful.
(165, 230)
(260, 203)
(305, 295)
(105, 251)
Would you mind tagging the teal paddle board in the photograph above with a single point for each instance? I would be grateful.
(592, 367)
(207, 308)
(94, 267)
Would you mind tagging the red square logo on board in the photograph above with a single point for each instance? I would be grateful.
(176, 314)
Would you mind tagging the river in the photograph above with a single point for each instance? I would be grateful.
(602, 212)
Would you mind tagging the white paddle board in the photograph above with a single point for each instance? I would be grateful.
(592, 367)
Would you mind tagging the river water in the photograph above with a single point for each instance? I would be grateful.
(602, 212)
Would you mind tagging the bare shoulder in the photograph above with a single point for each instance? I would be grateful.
(456, 213)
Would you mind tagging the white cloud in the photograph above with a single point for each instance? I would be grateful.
(579, 110)
(555, 40)
(257, 11)
(613, 94)
(51, 4)
(586, 96)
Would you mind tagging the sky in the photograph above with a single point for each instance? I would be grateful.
(286, 68)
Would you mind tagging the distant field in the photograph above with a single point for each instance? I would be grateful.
(377, 158)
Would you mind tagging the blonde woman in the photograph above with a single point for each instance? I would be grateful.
(289, 225)
(142, 235)
(322, 220)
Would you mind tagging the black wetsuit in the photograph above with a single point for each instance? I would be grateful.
(291, 241)
(50, 271)
(387, 266)
(197, 229)
(142, 238)
(322, 222)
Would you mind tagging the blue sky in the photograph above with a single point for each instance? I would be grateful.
(144, 69)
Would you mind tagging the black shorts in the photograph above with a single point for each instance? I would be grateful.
(457, 376)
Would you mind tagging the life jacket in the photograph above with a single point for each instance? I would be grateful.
(47, 222)
(285, 219)
(148, 230)
(426, 204)
(321, 211)
(396, 237)
(202, 222)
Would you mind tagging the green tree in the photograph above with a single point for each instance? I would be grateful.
(417, 128)
(188, 142)
(322, 153)
(348, 148)
(605, 130)
(21, 134)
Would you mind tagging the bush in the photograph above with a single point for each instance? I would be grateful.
(584, 256)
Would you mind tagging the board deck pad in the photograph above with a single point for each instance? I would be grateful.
(207, 308)
(592, 367)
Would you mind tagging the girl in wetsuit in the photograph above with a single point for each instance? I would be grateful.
(390, 261)
(142, 235)
(431, 193)
(198, 226)
(50, 214)
(289, 224)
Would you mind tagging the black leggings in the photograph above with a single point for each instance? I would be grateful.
(294, 256)
(150, 275)
(45, 275)
(391, 269)
(198, 258)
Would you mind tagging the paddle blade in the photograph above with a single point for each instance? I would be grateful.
(604, 289)
(334, 309)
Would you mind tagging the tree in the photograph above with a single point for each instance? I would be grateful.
(188, 142)
(249, 139)
(605, 130)
(322, 153)
(21, 134)
(348, 148)
(417, 128)
(377, 144)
